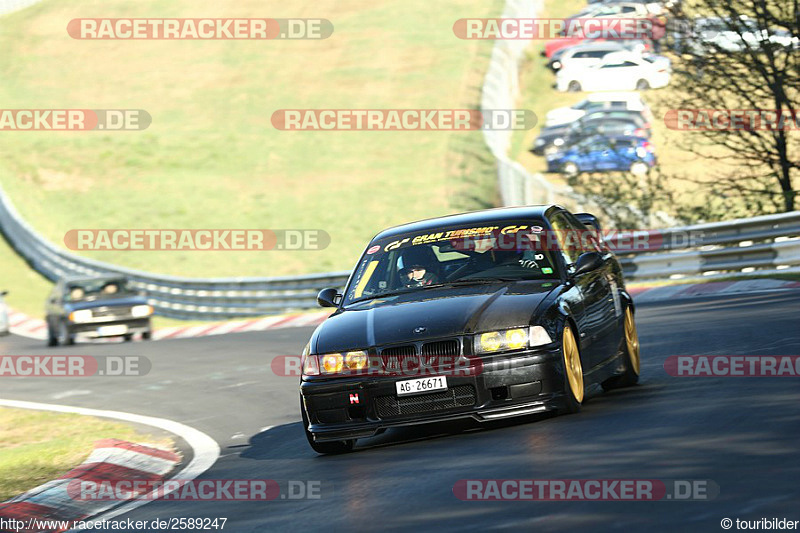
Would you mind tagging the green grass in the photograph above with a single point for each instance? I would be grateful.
(38, 446)
(211, 159)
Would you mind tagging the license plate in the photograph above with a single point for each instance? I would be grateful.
(108, 331)
(421, 385)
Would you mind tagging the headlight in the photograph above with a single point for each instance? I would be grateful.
(331, 363)
(539, 142)
(511, 339)
(84, 315)
(356, 360)
(335, 363)
(139, 311)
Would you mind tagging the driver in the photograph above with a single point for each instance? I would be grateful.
(416, 270)
(417, 276)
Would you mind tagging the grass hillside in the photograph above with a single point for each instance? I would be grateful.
(210, 158)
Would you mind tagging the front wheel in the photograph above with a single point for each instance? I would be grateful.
(325, 448)
(573, 371)
(65, 338)
(642, 85)
(574, 87)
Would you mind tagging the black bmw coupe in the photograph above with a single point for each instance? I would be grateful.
(483, 315)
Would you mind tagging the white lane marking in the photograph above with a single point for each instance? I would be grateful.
(205, 450)
(68, 393)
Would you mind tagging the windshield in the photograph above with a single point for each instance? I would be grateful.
(87, 290)
(504, 251)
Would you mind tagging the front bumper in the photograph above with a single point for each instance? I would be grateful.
(110, 328)
(503, 386)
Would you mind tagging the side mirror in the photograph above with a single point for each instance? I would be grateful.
(328, 298)
(3, 293)
(587, 262)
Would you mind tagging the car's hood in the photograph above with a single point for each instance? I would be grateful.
(106, 302)
(442, 312)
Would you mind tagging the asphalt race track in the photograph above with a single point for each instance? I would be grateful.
(742, 433)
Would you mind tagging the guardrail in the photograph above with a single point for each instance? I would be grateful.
(176, 297)
(764, 243)
(761, 244)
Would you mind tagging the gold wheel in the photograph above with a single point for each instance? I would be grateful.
(632, 340)
(572, 364)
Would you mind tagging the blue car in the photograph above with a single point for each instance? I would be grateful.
(604, 154)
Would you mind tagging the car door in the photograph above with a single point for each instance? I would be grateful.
(592, 289)
(606, 308)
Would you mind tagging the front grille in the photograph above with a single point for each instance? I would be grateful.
(460, 396)
(448, 348)
(111, 311)
(409, 349)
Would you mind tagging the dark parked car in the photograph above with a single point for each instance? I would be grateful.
(525, 302)
(96, 307)
(608, 122)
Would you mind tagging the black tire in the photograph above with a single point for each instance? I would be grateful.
(147, 335)
(52, 340)
(65, 338)
(572, 403)
(642, 85)
(631, 375)
(128, 337)
(574, 87)
(325, 448)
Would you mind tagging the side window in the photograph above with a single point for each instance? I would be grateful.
(568, 240)
(590, 242)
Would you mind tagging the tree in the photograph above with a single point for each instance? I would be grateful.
(740, 57)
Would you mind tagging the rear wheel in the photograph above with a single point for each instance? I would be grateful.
(128, 337)
(642, 85)
(147, 335)
(630, 347)
(574, 87)
(325, 448)
(573, 372)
